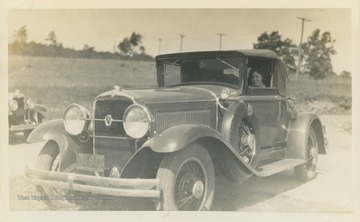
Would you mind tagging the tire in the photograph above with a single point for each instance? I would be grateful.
(307, 171)
(49, 160)
(187, 180)
(244, 141)
(234, 170)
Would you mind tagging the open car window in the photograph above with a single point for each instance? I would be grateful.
(215, 70)
(265, 68)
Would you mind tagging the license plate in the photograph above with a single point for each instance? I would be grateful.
(90, 162)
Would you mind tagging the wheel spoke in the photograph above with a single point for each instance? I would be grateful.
(184, 201)
(193, 170)
(190, 174)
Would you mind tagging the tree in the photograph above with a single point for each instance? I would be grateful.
(317, 54)
(346, 74)
(284, 48)
(128, 45)
(135, 39)
(19, 43)
(142, 50)
(125, 46)
(52, 39)
(21, 35)
(87, 51)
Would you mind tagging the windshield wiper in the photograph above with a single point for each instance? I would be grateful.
(231, 66)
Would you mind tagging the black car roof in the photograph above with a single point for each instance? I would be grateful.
(261, 53)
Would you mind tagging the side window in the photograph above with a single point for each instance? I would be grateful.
(260, 73)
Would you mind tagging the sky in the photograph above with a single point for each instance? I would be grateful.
(105, 28)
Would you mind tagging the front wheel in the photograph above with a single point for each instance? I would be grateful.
(307, 171)
(187, 180)
(49, 160)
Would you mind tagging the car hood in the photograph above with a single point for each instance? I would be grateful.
(165, 95)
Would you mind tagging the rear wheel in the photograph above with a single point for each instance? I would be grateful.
(307, 171)
(187, 180)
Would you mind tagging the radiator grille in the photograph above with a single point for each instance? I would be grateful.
(115, 151)
(165, 120)
(20, 114)
(116, 109)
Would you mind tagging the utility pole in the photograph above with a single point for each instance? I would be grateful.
(300, 52)
(220, 39)
(159, 44)
(181, 40)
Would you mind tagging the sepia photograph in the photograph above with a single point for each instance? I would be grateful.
(242, 111)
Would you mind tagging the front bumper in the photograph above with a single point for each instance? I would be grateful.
(120, 187)
(22, 127)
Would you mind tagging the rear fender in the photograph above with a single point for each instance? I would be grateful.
(54, 131)
(298, 133)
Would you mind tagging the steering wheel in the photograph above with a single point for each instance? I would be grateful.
(230, 79)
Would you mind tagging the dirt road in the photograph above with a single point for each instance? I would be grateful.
(330, 192)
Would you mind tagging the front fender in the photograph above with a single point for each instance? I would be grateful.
(54, 130)
(178, 137)
(298, 132)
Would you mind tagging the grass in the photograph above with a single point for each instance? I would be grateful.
(329, 96)
(58, 82)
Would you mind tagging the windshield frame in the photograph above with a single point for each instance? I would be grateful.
(241, 67)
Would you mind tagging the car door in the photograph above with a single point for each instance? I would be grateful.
(269, 110)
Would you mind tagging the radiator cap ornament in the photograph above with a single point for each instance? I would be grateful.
(116, 88)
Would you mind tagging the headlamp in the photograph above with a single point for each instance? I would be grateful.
(14, 105)
(136, 121)
(76, 119)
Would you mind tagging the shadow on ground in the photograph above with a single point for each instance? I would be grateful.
(231, 196)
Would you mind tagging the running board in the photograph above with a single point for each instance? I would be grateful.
(277, 167)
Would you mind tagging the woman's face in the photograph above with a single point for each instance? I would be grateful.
(256, 79)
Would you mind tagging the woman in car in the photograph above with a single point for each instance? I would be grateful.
(256, 79)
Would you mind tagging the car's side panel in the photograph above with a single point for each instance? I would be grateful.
(270, 112)
(54, 131)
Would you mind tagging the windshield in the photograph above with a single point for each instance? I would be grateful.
(217, 70)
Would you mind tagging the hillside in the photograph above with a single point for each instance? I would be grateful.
(58, 82)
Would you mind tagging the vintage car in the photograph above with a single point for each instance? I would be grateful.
(24, 116)
(167, 143)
